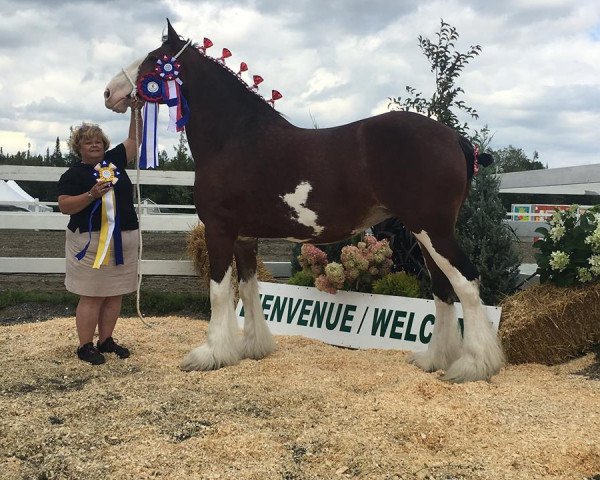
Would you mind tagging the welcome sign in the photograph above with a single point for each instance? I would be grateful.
(350, 319)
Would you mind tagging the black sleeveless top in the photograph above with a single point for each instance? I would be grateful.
(80, 179)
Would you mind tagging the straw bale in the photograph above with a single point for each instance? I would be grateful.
(196, 250)
(308, 411)
(550, 325)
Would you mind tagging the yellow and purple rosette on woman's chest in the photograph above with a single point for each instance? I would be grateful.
(110, 227)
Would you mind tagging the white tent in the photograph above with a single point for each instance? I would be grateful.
(12, 195)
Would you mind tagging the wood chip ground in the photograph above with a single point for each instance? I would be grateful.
(309, 411)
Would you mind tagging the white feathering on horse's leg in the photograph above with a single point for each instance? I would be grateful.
(222, 346)
(481, 355)
(446, 341)
(257, 341)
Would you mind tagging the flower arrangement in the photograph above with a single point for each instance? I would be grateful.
(360, 266)
(569, 251)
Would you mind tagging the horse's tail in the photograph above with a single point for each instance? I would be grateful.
(482, 159)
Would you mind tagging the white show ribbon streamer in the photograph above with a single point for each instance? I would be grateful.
(149, 147)
(106, 229)
(172, 100)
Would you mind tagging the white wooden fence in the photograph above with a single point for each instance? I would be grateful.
(157, 222)
(569, 180)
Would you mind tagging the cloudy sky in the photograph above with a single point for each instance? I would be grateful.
(536, 83)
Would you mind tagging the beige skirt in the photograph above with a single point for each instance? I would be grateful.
(108, 280)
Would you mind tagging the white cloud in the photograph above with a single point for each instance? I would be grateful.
(320, 81)
(535, 83)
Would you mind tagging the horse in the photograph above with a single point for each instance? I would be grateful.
(259, 176)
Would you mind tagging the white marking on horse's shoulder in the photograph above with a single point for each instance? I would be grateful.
(297, 202)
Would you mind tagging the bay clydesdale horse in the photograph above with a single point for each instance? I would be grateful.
(259, 176)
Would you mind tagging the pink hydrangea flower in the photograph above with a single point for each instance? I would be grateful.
(335, 274)
(360, 265)
(323, 284)
(312, 259)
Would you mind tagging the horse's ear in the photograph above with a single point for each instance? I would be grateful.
(171, 33)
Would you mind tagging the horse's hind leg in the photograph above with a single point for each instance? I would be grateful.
(257, 341)
(481, 355)
(222, 346)
(446, 340)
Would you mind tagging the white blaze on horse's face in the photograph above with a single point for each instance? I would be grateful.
(297, 202)
(118, 91)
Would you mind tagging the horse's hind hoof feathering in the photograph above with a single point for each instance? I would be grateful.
(257, 348)
(206, 358)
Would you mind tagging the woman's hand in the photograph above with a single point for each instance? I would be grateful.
(99, 189)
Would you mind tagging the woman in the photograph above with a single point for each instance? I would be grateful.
(101, 289)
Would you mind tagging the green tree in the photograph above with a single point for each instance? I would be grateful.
(182, 159)
(487, 240)
(481, 228)
(512, 159)
(56, 159)
(172, 194)
(483, 138)
(447, 64)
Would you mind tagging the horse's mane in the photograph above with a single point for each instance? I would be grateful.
(235, 81)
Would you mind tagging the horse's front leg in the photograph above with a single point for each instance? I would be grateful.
(257, 341)
(222, 346)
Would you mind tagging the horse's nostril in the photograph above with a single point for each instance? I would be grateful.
(106, 93)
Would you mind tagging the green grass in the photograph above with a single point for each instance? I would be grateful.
(151, 302)
(10, 298)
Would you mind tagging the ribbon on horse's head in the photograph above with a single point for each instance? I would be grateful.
(161, 86)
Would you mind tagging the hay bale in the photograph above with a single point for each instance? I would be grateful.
(196, 250)
(550, 325)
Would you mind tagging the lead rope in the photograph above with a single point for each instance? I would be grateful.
(139, 200)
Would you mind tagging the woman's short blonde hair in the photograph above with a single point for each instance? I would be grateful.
(87, 131)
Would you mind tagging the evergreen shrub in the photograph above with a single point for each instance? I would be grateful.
(487, 239)
(302, 279)
(398, 283)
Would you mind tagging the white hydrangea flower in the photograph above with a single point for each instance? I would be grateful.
(573, 211)
(594, 262)
(557, 232)
(594, 240)
(584, 275)
(556, 219)
(559, 260)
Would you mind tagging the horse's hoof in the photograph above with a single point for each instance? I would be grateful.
(205, 358)
(469, 368)
(428, 361)
(423, 360)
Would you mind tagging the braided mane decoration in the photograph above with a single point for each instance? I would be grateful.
(207, 43)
